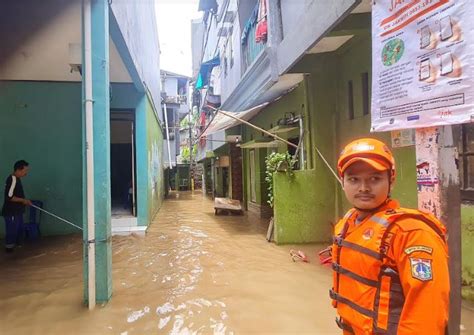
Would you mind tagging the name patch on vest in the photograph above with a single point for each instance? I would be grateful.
(421, 269)
(421, 248)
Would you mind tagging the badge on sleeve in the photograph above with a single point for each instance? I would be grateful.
(421, 269)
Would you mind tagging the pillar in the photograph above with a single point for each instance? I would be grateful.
(438, 193)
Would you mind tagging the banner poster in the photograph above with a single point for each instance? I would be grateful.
(422, 63)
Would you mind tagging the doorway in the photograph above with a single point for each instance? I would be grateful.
(123, 163)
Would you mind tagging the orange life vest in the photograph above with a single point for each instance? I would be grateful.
(367, 291)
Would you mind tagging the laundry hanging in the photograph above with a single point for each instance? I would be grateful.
(261, 32)
(249, 24)
(205, 72)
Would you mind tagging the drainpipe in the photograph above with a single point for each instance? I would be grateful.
(89, 153)
(302, 157)
(167, 135)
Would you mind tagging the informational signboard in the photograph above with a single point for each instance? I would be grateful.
(423, 63)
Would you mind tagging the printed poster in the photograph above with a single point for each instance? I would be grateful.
(423, 63)
(403, 138)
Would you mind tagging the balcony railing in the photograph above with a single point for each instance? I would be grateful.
(178, 99)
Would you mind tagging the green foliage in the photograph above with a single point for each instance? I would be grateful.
(185, 153)
(277, 162)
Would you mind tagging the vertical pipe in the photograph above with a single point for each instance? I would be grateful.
(167, 135)
(89, 153)
(191, 175)
(302, 158)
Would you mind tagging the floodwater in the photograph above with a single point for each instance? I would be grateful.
(193, 273)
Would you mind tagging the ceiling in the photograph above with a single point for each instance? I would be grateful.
(43, 53)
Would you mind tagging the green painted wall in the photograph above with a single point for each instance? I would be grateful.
(41, 123)
(292, 102)
(155, 161)
(467, 231)
(300, 216)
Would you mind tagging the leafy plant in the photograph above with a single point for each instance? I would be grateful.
(277, 162)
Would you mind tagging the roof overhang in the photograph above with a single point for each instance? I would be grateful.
(223, 122)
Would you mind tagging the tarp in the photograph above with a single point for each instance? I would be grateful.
(222, 122)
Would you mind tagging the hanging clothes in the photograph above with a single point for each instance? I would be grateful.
(205, 71)
(261, 33)
(249, 24)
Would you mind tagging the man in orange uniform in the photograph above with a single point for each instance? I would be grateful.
(390, 263)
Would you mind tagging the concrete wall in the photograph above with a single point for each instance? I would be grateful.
(155, 162)
(138, 28)
(197, 34)
(291, 13)
(41, 123)
(171, 87)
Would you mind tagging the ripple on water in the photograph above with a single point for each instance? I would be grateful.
(135, 315)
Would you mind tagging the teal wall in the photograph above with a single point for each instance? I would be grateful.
(41, 123)
(49, 114)
(467, 247)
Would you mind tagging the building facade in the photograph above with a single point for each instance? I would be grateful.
(311, 62)
(44, 83)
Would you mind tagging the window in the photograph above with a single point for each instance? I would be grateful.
(466, 161)
(350, 99)
(365, 93)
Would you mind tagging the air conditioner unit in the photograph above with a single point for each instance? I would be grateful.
(234, 138)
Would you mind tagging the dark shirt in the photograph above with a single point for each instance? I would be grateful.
(13, 188)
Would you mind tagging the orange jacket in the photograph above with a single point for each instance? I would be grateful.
(391, 273)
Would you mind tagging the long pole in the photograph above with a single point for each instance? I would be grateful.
(57, 217)
(89, 153)
(278, 138)
(302, 157)
(167, 135)
(258, 128)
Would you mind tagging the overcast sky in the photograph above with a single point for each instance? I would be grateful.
(174, 30)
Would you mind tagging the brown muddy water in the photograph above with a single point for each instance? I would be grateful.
(193, 273)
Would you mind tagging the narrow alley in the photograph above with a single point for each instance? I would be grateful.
(193, 272)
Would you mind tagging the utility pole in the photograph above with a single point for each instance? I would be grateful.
(191, 174)
(438, 193)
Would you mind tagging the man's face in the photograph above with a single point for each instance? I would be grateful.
(22, 172)
(365, 187)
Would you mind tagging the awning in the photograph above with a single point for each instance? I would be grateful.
(223, 122)
(258, 144)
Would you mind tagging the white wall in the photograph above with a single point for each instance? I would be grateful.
(137, 23)
(171, 86)
(291, 11)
